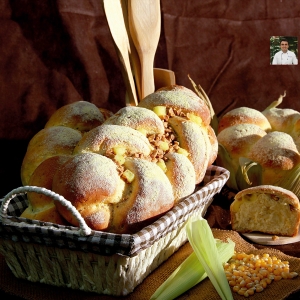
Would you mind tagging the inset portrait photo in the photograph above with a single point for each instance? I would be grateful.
(283, 50)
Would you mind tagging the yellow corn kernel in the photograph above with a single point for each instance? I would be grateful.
(242, 291)
(232, 283)
(251, 291)
(263, 283)
(236, 288)
(277, 278)
(258, 288)
(293, 274)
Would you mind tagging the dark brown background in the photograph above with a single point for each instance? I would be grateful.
(56, 52)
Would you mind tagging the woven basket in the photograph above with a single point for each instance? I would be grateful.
(94, 261)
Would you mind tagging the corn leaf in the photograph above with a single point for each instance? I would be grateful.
(203, 243)
(277, 102)
(190, 273)
(225, 161)
(249, 174)
(201, 93)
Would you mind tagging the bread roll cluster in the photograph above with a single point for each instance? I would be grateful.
(260, 148)
(121, 171)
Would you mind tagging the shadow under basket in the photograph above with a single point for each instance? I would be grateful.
(100, 262)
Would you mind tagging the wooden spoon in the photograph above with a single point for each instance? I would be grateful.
(145, 25)
(116, 23)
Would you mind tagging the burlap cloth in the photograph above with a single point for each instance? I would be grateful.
(205, 290)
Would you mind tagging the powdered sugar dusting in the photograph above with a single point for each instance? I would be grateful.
(244, 115)
(105, 137)
(138, 118)
(89, 173)
(238, 139)
(180, 98)
(276, 149)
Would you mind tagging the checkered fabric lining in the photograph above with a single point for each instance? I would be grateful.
(32, 231)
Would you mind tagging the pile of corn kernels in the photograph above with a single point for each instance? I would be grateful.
(249, 273)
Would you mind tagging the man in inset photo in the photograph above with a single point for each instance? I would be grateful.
(285, 57)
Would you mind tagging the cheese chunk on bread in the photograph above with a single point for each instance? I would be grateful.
(267, 209)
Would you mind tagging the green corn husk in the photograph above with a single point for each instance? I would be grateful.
(202, 241)
(291, 181)
(190, 272)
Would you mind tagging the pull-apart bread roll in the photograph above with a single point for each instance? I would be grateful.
(108, 202)
(244, 115)
(267, 209)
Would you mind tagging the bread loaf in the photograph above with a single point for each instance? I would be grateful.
(267, 209)
(130, 168)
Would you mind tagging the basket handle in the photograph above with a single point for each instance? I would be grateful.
(84, 229)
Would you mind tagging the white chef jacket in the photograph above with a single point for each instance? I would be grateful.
(288, 58)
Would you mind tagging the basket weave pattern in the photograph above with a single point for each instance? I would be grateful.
(101, 262)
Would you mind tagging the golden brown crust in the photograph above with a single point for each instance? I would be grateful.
(181, 174)
(41, 207)
(214, 145)
(266, 208)
(48, 142)
(244, 115)
(81, 115)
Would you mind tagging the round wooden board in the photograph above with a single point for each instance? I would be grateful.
(266, 239)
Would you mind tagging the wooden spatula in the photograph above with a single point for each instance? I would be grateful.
(145, 25)
(163, 77)
(115, 19)
(133, 55)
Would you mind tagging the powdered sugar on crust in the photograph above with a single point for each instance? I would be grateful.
(244, 115)
(181, 174)
(282, 119)
(105, 137)
(151, 191)
(238, 139)
(81, 115)
(85, 175)
(276, 150)
(138, 118)
(178, 97)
